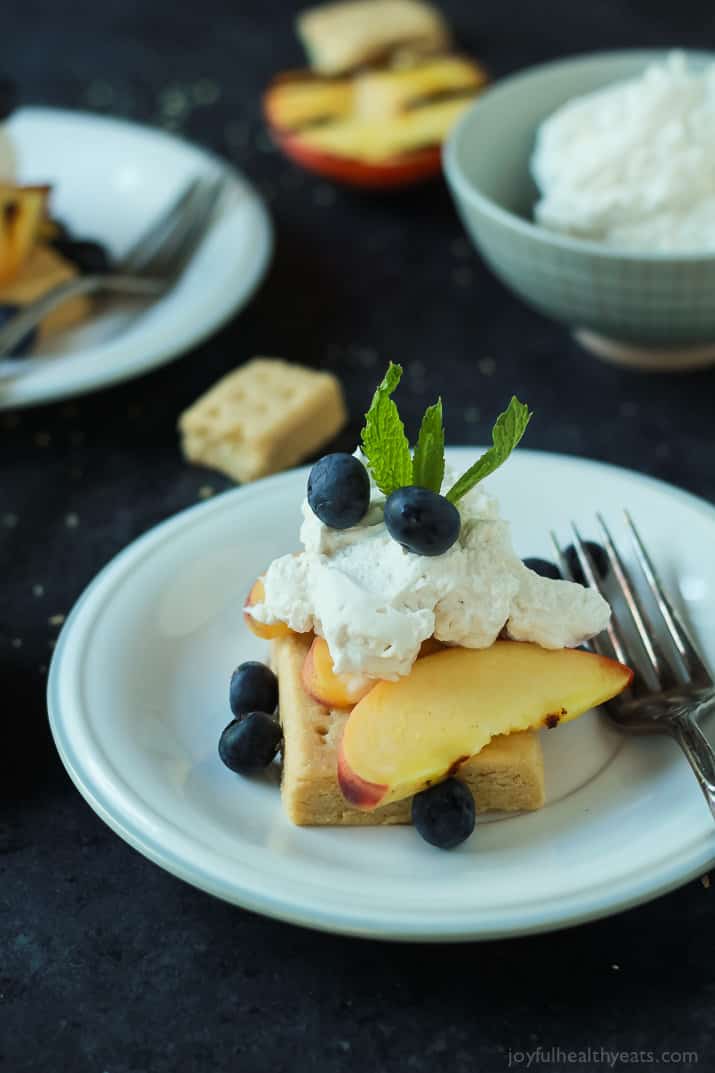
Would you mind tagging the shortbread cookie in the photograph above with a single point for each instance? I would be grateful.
(43, 270)
(506, 776)
(262, 418)
(339, 37)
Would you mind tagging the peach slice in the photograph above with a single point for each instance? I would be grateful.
(405, 735)
(22, 209)
(268, 632)
(331, 689)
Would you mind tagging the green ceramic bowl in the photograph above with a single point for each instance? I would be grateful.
(654, 309)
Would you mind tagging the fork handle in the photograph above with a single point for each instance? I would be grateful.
(700, 754)
(31, 315)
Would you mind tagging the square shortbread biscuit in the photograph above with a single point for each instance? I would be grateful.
(506, 776)
(43, 270)
(262, 418)
(339, 37)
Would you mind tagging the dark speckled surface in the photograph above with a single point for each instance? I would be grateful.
(107, 964)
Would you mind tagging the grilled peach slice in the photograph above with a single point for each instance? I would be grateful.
(405, 735)
(22, 210)
(268, 632)
(335, 690)
(331, 689)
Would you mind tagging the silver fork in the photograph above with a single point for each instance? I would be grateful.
(149, 269)
(681, 693)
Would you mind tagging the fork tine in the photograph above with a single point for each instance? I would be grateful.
(159, 258)
(615, 639)
(659, 665)
(138, 256)
(695, 667)
(612, 647)
(173, 256)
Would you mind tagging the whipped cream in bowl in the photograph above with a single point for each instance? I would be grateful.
(632, 165)
(375, 603)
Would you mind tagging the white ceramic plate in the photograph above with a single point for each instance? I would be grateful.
(111, 179)
(138, 698)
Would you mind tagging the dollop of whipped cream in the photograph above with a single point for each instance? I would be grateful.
(375, 603)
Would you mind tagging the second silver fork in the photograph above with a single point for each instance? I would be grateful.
(680, 694)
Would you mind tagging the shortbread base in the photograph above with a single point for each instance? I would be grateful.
(506, 776)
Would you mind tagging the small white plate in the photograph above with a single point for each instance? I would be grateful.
(138, 698)
(111, 179)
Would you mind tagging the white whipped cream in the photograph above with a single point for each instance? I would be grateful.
(375, 603)
(633, 165)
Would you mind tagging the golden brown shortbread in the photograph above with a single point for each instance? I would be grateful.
(265, 416)
(506, 776)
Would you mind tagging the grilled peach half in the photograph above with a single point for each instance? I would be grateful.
(379, 128)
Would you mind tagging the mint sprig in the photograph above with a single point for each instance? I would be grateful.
(510, 426)
(428, 457)
(384, 442)
(387, 449)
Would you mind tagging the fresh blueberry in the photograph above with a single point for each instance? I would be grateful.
(7, 312)
(598, 557)
(249, 744)
(444, 815)
(91, 258)
(543, 568)
(422, 521)
(339, 490)
(254, 688)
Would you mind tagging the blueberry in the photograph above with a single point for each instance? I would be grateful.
(7, 312)
(422, 521)
(91, 258)
(339, 490)
(543, 568)
(444, 815)
(599, 560)
(254, 688)
(249, 744)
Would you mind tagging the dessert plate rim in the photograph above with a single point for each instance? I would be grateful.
(259, 878)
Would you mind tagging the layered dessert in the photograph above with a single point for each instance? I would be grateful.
(415, 654)
(383, 90)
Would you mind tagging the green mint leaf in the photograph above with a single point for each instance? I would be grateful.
(508, 430)
(384, 442)
(428, 458)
